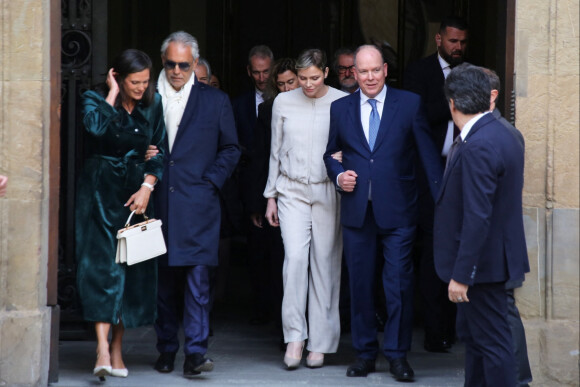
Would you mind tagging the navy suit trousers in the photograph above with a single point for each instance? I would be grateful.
(183, 293)
(360, 246)
(482, 324)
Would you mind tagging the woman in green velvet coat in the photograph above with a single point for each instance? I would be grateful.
(122, 118)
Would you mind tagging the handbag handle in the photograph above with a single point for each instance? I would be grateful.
(131, 215)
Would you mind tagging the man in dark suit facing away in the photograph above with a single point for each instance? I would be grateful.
(478, 238)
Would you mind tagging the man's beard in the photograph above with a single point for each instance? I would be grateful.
(453, 61)
(348, 83)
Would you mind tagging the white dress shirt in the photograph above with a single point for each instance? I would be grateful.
(366, 108)
(467, 127)
(365, 113)
(259, 99)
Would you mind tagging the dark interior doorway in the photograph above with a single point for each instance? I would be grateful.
(93, 32)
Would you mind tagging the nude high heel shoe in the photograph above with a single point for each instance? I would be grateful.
(292, 362)
(315, 360)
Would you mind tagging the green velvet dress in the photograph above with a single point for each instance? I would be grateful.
(113, 171)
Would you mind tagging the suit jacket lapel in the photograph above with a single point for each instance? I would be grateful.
(188, 112)
(389, 108)
(355, 119)
(474, 129)
(438, 70)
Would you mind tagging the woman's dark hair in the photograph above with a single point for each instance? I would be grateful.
(128, 62)
(280, 67)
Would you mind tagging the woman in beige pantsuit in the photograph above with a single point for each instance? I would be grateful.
(304, 203)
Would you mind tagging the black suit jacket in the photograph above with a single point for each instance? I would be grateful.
(512, 129)
(245, 115)
(425, 77)
(258, 165)
(518, 282)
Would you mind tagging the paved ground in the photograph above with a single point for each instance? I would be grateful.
(247, 355)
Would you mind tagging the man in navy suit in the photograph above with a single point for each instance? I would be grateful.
(426, 77)
(379, 131)
(479, 241)
(260, 256)
(203, 151)
(246, 105)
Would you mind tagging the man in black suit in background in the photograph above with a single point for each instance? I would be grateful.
(523, 370)
(246, 105)
(426, 78)
(260, 60)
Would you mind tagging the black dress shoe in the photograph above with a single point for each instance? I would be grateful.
(362, 367)
(401, 369)
(195, 364)
(433, 344)
(165, 362)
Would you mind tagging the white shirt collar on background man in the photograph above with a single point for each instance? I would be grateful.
(446, 67)
(259, 99)
(467, 127)
(366, 108)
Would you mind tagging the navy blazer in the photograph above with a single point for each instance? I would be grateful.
(479, 232)
(425, 77)
(204, 154)
(390, 166)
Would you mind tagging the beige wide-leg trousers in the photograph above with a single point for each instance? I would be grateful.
(310, 223)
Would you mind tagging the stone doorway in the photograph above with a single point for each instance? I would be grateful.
(93, 31)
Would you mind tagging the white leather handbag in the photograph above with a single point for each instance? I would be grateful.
(140, 242)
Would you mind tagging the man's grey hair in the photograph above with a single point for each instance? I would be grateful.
(183, 38)
(261, 51)
(205, 63)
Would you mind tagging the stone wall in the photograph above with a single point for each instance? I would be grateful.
(24, 104)
(547, 100)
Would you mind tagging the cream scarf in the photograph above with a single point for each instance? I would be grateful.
(173, 104)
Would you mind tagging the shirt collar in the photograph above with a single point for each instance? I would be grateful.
(380, 97)
(467, 127)
(442, 62)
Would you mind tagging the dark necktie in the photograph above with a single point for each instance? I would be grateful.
(452, 150)
(374, 123)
